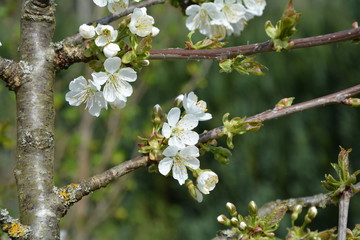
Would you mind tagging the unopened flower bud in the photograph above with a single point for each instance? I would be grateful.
(145, 63)
(158, 116)
(193, 191)
(87, 31)
(253, 209)
(296, 211)
(111, 50)
(234, 222)
(312, 212)
(242, 226)
(232, 209)
(222, 219)
(179, 101)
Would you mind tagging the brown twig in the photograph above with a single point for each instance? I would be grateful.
(71, 49)
(334, 98)
(251, 49)
(318, 200)
(103, 179)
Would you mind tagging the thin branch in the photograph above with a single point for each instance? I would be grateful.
(71, 50)
(13, 227)
(334, 98)
(11, 72)
(74, 192)
(113, 17)
(343, 213)
(251, 49)
(319, 200)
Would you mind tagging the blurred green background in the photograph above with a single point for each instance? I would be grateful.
(287, 158)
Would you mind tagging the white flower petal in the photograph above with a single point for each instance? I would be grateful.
(100, 3)
(191, 151)
(179, 173)
(100, 77)
(165, 166)
(127, 74)
(188, 137)
(175, 141)
(87, 31)
(112, 64)
(173, 116)
(166, 130)
(170, 151)
(109, 93)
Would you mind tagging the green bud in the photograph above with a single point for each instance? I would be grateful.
(253, 209)
(354, 102)
(285, 102)
(312, 212)
(221, 154)
(157, 116)
(222, 219)
(295, 214)
(232, 209)
(234, 222)
(242, 226)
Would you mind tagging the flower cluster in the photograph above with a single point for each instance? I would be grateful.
(116, 87)
(110, 86)
(181, 153)
(222, 18)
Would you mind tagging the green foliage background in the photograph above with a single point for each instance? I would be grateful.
(287, 158)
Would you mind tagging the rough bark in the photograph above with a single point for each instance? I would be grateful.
(35, 122)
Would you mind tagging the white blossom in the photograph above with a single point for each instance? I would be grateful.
(179, 130)
(202, 17)
(177, 160)
(116, 81)
(232, 10)
(118, 6)
(141, 24)
(111, 50)
(106, 34)
(86, 91)
(206, 181)
(87, 31)
(254, 8)
(0, 44)
(194, 107)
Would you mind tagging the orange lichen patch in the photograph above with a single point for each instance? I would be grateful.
(67, 193)
(64, 195)
(17, 230)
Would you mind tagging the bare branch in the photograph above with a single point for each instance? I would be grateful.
(251, 49)
(112, 17)
(334, 98)
(320, 200)
(343, 213)
(75, 192)
(11, 72)
(13, 227)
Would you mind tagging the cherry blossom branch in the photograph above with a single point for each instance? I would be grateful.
(75, 192)
(334, 98)
(71, 50)
(12, 72)
(112, 17)
(251, 49)
(318, 200)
